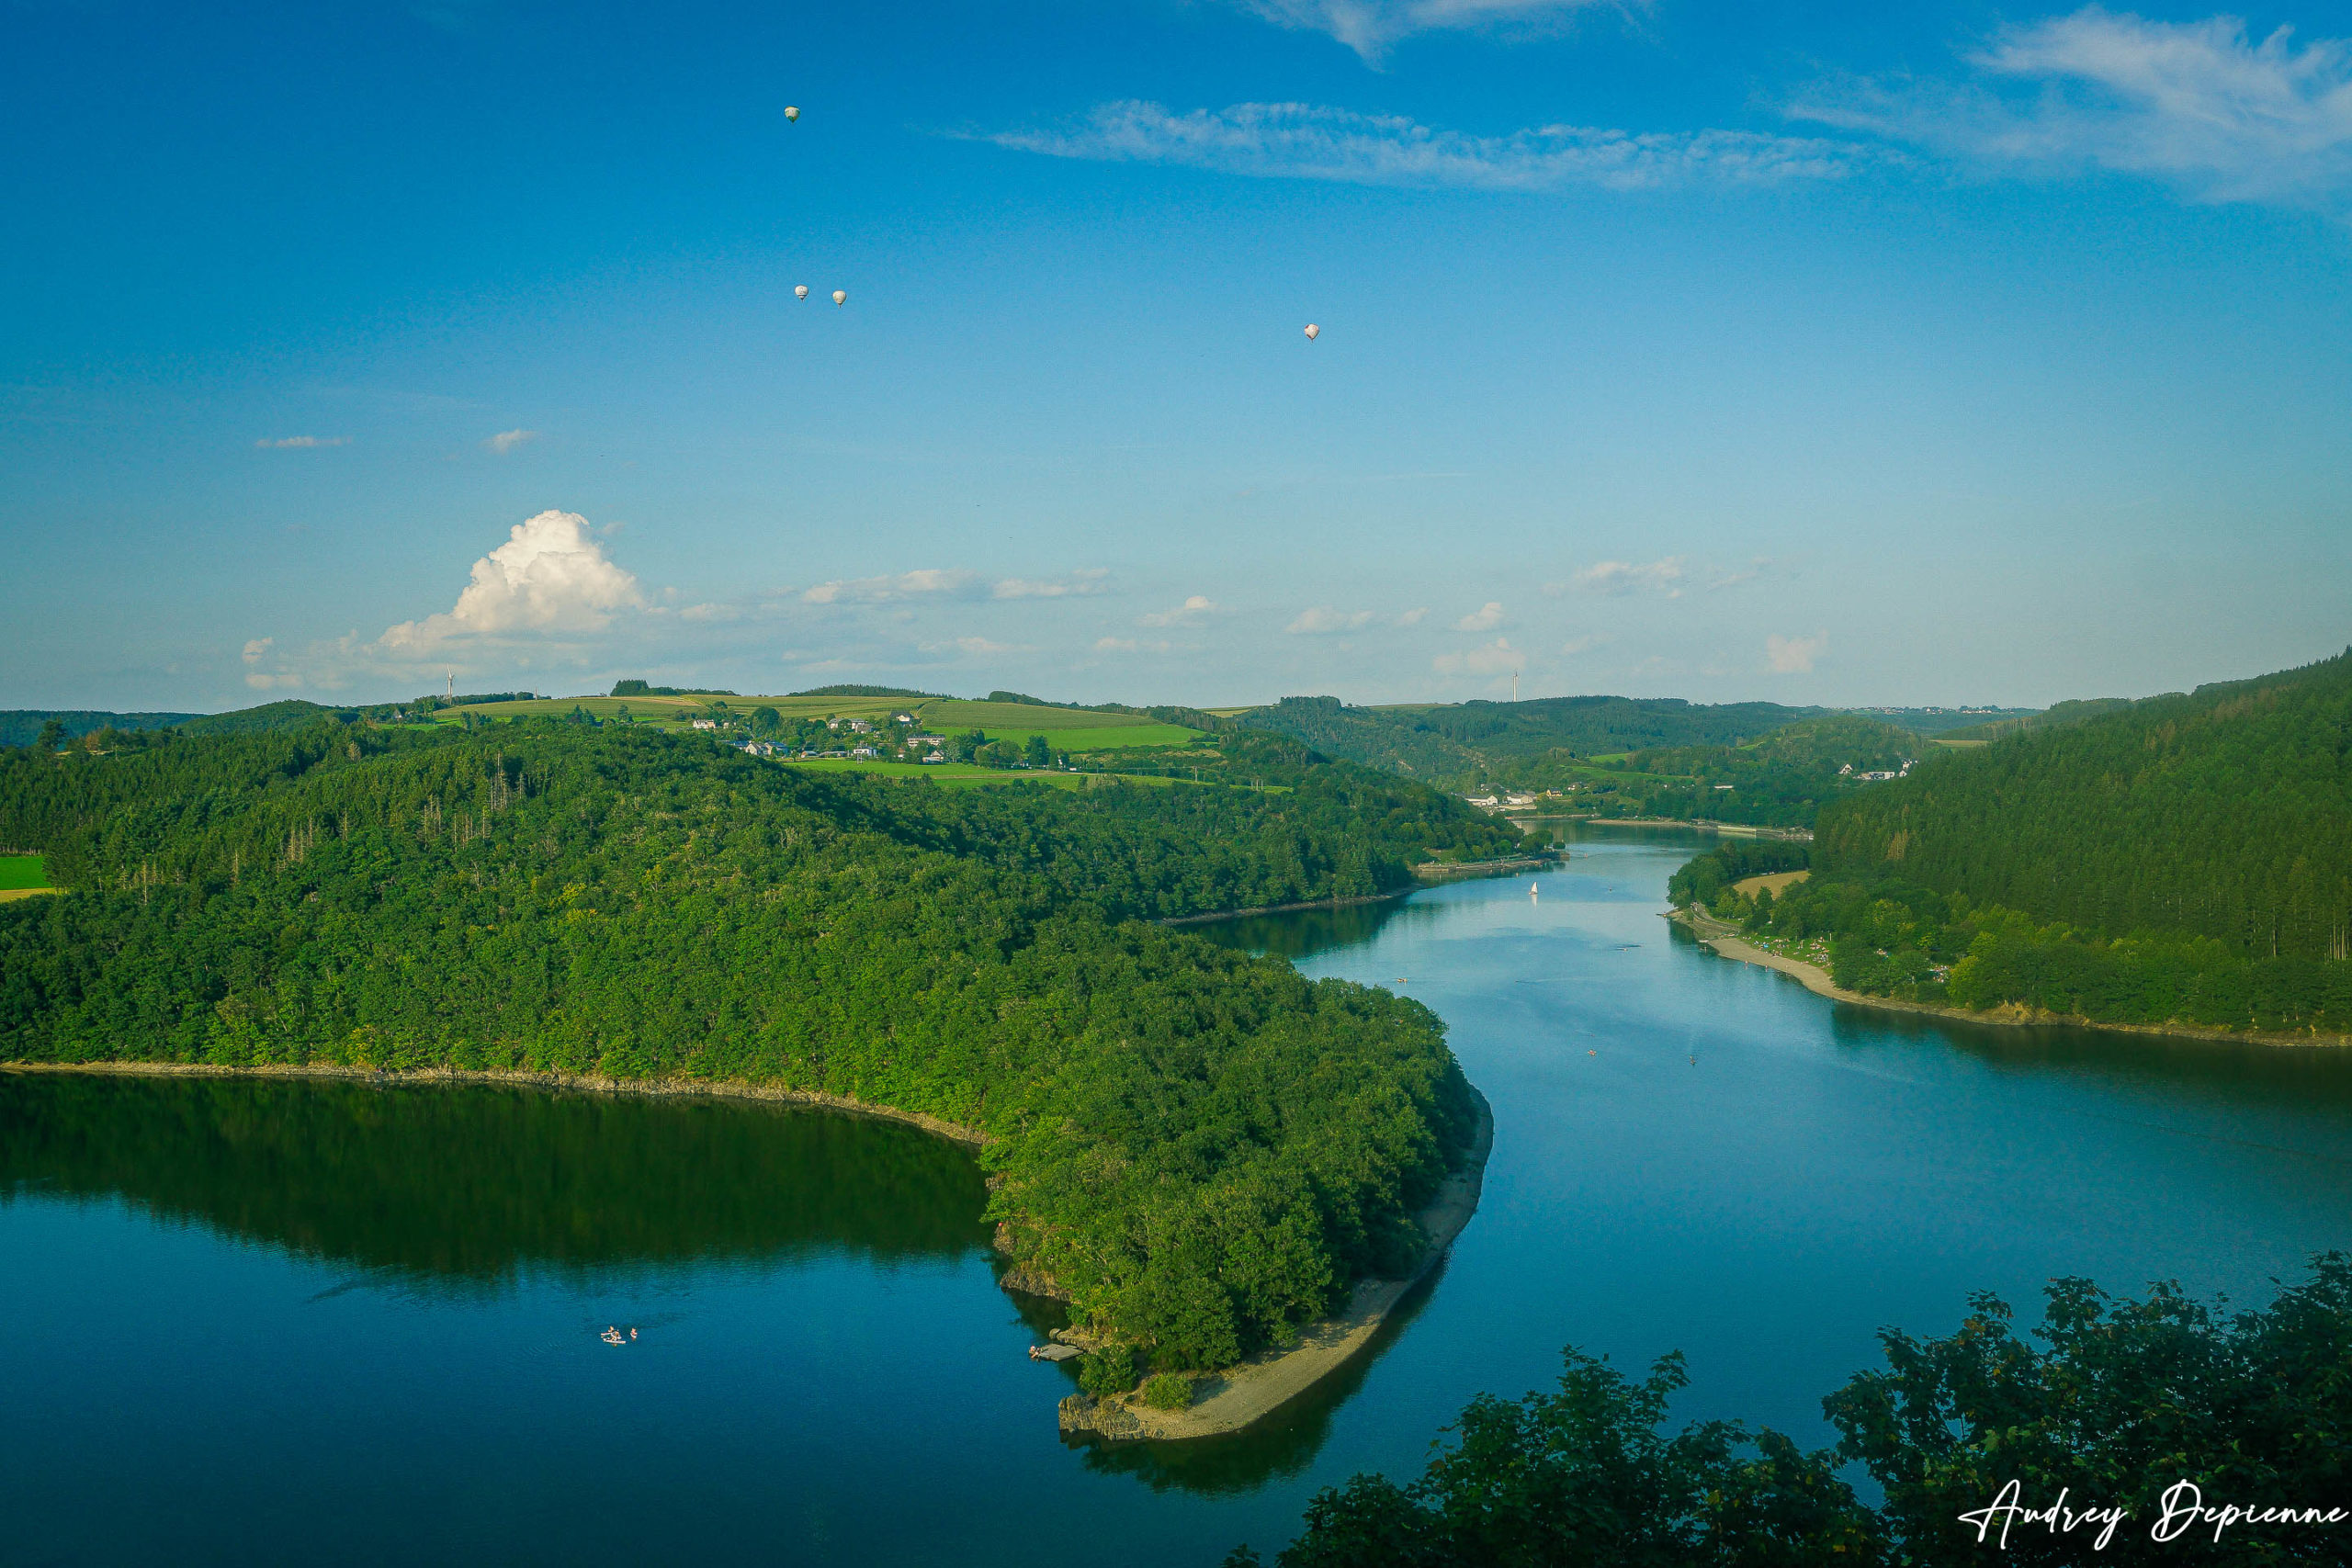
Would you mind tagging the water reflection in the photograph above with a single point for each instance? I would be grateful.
(469, 1184)
(1302, 933)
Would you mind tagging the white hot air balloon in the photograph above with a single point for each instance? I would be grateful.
(800, 291)
(1313, 332)
(841, 295)
(791, 113)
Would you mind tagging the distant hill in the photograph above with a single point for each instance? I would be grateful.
(2054, 717)
(1947, 723)
(1457, 744)
(22, 726)
(2226, 814)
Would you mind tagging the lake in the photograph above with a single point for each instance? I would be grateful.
(256, 1322)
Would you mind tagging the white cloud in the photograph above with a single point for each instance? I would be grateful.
(505, 441)
(1412, 617)
(711, 613)
(1197, 607)
(1794, 655)
(1087, 580)
(922, 584)
(1115, 644)
(1624, 577)
(258, 649)
(1369, 27)
(551, 577)
(1306, 142)
(2195, 103)
(974, 646)
(1497, 658)
(1323, 618)
(1485, 618)
(300, 442)
(1584, 644)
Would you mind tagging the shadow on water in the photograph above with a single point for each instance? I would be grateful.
(1302, 933)
(1282, 1445)
(466, 1186)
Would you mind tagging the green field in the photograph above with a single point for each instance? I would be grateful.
(22, 873)
(961, 775)
(1065, 729)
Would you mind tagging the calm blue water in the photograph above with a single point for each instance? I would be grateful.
(301, 1322)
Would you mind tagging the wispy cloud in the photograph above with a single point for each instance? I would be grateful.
(2198, 105)
(1197, 607)
(1310, 143)
(1086, 580)
(505, 441)
(300, 442)
(1413, 617)
(1369, 27)
(1485, 618)
(926, 583)
(970, 647)
(1497, 658)
(1794, 655)
(1663, 576)
(1583, 644)
(1129, 645)
(1323, 619)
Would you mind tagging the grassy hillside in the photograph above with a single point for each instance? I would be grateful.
(1204, 1149)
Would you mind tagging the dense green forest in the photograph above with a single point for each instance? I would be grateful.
(22, 726)
(1459, 745)
(2185, 858)
(1202, 1148)
(2120, 1403)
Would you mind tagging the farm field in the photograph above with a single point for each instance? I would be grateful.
(960, 775)
(22, 876)
(1066, 729)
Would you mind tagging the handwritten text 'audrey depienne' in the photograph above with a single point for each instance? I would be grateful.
(2184, 1510)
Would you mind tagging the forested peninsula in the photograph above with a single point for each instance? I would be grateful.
(2183, 860)
(1201, 1150)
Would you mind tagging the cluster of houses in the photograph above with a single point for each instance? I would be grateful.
(1878, 776)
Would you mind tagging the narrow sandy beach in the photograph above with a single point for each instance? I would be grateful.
(1265, 1381)
(1726, 941)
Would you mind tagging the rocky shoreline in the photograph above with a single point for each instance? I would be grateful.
(1726, 941)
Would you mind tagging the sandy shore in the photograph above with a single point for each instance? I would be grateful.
(1726, 941)
(1257, 1387)
(587, 1083)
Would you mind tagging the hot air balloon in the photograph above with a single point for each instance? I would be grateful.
(800, 291)
(791, 113)
(841, 295)
(1313, 332)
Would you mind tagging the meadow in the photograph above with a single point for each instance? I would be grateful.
(1065, 729)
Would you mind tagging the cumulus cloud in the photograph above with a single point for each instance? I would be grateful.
(505, 441)
(1323, 619)
(1087, 580)
(1197, 607)
(1794, 655)
(1369, 27)
(549, 577)
(257, 648)
(2198, 105)
(918, 585)
(1310, 143)
(1485, 618)
(1625, 577)
(1497, 658)
(300, 442)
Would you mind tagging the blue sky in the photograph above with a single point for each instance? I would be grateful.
(1853, 355)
